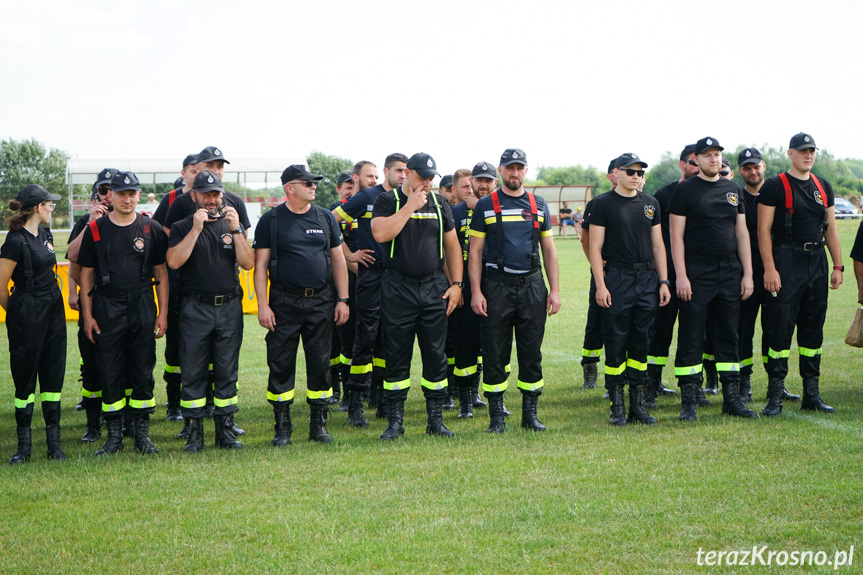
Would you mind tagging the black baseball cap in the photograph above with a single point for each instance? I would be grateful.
(705, 144)
(423, 164)
(513, 156)
(33, 195)
(446, 181)
(484, 170)
(190, 160)
(748, 156)
(298, 172)
(345, 176)
(207, 181)
(103, 179)
(124, 181)
(725, 162)
(802, 141)
(688, 149)
(211, 154)
(179, 183)
(612, 164)
(628, 159)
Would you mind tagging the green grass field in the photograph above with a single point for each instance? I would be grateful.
(583, 497)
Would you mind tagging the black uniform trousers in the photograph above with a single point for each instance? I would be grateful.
(91, 387)
(592, 347)
(748, 316)
(513, 302)
(312, 319)
(663, 328)
(210, 331)
(368, 354)
(715, 285)
(414, 308)
(172, 375)
(347, 331)
(125, 349)
(627, 323)
(802, 302)
(467, 338)
(36, 327)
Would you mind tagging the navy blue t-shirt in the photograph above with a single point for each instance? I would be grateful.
(517, 230)
(359, 209)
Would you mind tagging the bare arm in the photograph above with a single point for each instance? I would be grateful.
(677, 225)
(597, 240)
(744, 254)
(385, 229)
(858, 273)
(659, 262)
(179, 254)
(455, 267)
(552, 272)
(160, 274)
(834, 247)
(262, 263)
(6, 268)
(86, 303)
(772, 281)
(74, 276)
(340, 277)
(474, 271)
(585, 242)
(243, 251)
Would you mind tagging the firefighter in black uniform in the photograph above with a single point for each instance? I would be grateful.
(91, 388)
(512, 225)
(213, 159)
(172, 374)
(35, 318)
(416, 229)
(343, 335)
(121, 256)
(710, 247)
(207, 247)
(796, 219)
(368, 362)
(298, 245)
(627, 258)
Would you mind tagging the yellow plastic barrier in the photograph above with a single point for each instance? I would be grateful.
(250, 304)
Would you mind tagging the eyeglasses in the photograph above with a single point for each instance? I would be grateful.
(631, 172)
(50, 205)
(692, 163)
(724, 173)
(307, 183)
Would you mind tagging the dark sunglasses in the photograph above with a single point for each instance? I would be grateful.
(692, 163)
(307, 183)
(631, 172)
(724, 173)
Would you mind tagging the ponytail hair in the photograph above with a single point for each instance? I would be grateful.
(17, 221)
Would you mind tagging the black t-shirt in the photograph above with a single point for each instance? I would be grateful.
(585, 221)
(41, 255)
(301, 244)
(349, 229)
(124, 251)
(358, 209)
(418, 247)
(212, 265)
(79, 226)
(857, 250)
(461, 216)
(517, 230)
(711, 210)
(628, 223)
(808, 208)
(751, 203)
(663, 195)
(165, 204)
(184, 206)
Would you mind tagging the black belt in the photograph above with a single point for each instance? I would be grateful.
(514, 279)
(639, 267)
(305, 292)
(801, 247)
(112, 293)
(413, 279)
(711, 259)
(213, 299)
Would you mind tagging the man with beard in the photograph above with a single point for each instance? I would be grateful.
(710, 249)
(207, 247)
(368, 361)
(343, 334)
(796, 219)
(459, 190)
(507, 287)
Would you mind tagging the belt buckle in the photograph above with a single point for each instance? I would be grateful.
(308, 292)
(218, 300)
(810, 246)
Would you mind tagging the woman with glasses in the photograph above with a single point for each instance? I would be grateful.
(35, 318)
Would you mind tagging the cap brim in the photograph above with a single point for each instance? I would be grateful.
(55, 197)
(484, 175)
(311, 178)
(126, 188)
(806, 147)
(699, 152)
(749, 161)
(632, 163)
(213, 159)
(511, 162)
(209, 189)
(426, 173)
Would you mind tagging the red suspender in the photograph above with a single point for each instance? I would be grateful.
(820, 189)
(172, 195)
(789, 202)
(533, 211)
(94, 230)
(495, 202)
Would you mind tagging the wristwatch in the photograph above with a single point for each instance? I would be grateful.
(344, 300)
(839, 268)
(665, 282)
(459, 284)
(239, 229)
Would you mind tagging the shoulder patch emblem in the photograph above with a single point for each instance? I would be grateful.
(227, 239)
(138, 245)
(527, 215)
(732, 198)
(818, 198)
(649, 211)
(49, 246)
(429, 163)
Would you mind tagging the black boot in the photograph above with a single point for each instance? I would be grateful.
(745, 388)
(788, 396)
(371, 395)
(317, 425)
(232, 425)
(356, 417)
(335, 374)
(475, 398)
(184, 433)
(195, 435)
(529, 419)
(651, 390)
(435, 425)
(731, 403)
(210, 403)
(700, 398)
(283, 428)
(346, 398)
(52, 439)
(812, 399)
(688, 401)
(774, 397)
(142, 435)
(25, 445)
(395, 418)
(711, 385)
(449, 400)
(497, 420)
(662, 389)
(465, 403)
(382, 408)
(637, 412)
(590, 374)
(618, 406)
(114, 442)
(173, 411)
(128, 421)
(225, 438)
(94, 422)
